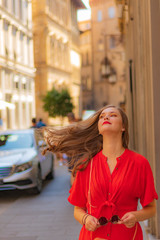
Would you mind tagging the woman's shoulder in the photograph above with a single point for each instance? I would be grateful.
(94, 159)
(137, 157)
(84, 170)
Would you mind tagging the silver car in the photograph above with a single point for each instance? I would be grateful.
(22, 166)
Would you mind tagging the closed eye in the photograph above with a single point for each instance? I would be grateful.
(101, 116)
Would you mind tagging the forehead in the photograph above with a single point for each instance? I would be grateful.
(110, 110)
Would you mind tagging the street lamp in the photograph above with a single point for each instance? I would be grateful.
(108, 72)
(105, 68)
(113, 76)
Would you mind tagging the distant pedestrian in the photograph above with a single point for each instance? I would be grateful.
(40, 123)
(34, 123)
(110, 178)
(71, 118)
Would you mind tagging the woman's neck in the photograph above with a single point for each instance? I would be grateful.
(112, 147)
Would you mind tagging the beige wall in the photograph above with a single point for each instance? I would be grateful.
(155, 19)
(143, 37)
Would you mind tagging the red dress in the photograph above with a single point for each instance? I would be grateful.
(113, 194)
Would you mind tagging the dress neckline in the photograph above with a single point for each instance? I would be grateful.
(122, 156)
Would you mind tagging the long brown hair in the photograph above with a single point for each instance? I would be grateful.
(81, 141)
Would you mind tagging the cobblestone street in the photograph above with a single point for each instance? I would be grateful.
(47, 216)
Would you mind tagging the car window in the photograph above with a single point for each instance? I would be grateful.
(16, 141)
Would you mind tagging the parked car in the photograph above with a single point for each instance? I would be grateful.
(22, 166)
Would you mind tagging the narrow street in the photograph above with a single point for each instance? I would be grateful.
(47, 216)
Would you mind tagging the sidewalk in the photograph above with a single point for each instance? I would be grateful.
(146, 235)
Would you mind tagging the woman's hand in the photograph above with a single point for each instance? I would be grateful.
(129, 220)
(91, 223)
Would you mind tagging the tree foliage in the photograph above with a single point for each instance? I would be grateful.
(58, 103)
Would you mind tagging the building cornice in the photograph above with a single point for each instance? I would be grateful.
(79, 4)
(57, 70)
(5, 15)
(17, 67)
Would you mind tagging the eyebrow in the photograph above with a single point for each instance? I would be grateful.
(108, 112)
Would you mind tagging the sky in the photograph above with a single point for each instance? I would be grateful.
(83, 15)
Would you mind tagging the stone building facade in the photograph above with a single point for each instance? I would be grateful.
(141, 24)
(56, 49)
(86, 64)
(17, 98)
(108, 54)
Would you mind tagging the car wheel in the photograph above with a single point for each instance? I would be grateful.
(50, 176)
(38, 188)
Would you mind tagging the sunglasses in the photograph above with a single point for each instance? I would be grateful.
(103, 221)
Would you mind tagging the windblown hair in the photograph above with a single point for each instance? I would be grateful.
(81, 141)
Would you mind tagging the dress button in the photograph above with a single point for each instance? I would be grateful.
(108, 235)
(116, 168)
(119, 158)
(109, 180)
(109, 193)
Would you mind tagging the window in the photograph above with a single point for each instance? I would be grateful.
(6, 38)
(20, 10)
(16, 82)
(25, 13)
(121, 90)
(100, 45)
(112, 42)
(89, 83)
(21, 46)
(84, 83)
(24, 86)
(0, 83)
(14, 31)
(101, 92)
(99, 15)
(7, 80)
(87, 58)
(5, 3)
(111, 12)
(14, 7)
(17, 122)
(24, 83)
(8, 97)
(29, 84)
(51, 50)
(24, 114)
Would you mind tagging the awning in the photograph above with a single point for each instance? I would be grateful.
(4, 105)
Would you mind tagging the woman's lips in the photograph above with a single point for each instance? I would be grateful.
(106, 122)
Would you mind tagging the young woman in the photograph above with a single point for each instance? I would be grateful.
(110, 178)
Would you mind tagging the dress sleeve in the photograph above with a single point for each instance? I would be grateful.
(78, 191)
(148, 192)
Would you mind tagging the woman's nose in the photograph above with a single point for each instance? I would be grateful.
(106, 117)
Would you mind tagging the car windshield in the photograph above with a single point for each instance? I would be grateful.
(15, 141)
